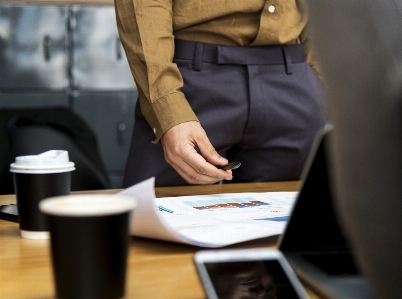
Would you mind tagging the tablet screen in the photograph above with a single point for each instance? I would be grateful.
(250, 279)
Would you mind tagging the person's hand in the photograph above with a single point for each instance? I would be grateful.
(179, 145)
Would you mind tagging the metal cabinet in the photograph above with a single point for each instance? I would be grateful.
(111, 117)
(103, 89)
(98, 58)
(33, 48)
(70, 55)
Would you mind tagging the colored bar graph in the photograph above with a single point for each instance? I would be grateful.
(239, 203)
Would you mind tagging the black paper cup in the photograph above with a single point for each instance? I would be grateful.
(89, 237)
(37, 177)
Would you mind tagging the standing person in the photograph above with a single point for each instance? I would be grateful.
(219, 81)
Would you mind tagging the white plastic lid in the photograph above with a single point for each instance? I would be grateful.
(83, 205)
(35, 235)
(48, 162)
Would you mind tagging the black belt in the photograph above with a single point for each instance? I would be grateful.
(204, 52)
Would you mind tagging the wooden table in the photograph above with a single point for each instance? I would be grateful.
(156, 269)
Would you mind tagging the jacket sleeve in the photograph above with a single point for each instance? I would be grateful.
(146, 32)
(306, 38)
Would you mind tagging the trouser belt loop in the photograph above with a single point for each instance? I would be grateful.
(197, 64)
(288, 60)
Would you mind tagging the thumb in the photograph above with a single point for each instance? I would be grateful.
(208, 151)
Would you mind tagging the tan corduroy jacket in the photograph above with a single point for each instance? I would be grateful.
(148, 28)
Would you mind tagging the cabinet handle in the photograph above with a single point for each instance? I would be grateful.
(47, 41)
(119, 55)
(121, 128)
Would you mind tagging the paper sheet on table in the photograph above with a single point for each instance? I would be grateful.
(208, 220)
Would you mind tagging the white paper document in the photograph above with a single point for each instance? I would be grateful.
(208, 220)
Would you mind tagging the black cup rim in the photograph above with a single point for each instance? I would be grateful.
(87, 205)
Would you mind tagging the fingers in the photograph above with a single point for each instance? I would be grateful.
(209, 153)
(203, 174)
(179, 148)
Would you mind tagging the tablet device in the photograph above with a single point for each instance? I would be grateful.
(247, 273)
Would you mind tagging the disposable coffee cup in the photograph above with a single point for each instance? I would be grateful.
(37, 177)
(89, 237)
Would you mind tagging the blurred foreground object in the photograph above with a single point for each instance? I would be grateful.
(359, 45)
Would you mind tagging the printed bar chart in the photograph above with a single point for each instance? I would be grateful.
(236, 203)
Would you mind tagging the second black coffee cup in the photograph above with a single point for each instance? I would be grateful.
(37, 177)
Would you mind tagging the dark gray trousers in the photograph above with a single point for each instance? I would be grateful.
(261, 106)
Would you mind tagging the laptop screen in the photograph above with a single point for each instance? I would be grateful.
(313, 225)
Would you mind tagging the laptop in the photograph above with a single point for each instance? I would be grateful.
(313, 242)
